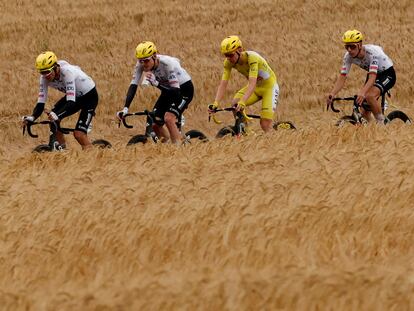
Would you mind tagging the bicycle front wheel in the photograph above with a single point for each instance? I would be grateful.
(138, 139)
(42, 148)
(399, 115)
(196, 135)
(226, 131)
(102, 143)
(346, 119)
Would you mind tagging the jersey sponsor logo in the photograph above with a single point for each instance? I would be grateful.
(174, 110)
(82, 127)
(183, 102)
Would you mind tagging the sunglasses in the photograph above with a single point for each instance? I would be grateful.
(144, 61)
(350, 46)
(229, 55)
(46, 72)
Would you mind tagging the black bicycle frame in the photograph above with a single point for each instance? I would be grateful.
(149, 131)
(54, 128)
(239, 124)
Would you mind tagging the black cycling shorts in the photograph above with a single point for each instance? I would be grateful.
(175, 104)
(385, 80)
(86, 104)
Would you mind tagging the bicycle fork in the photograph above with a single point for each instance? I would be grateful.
(53, 142)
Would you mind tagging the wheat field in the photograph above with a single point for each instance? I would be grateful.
(314, 219)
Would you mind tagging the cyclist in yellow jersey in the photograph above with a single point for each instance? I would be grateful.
(262, 83)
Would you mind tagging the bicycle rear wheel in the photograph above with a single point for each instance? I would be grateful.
(42, 148)
(138, 139)
(101, 143)
(226, 131)
(346, 119)
(284, 125)
(196, 135)
(398, 114)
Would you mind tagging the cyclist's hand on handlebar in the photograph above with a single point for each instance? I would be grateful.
(239, 106)
(120, 114)
(27, 119)
(52, 116)
(213, 107)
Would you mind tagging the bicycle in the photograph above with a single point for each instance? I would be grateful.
(240, 123)
(356, 117)
(150, 133)
(53, 144)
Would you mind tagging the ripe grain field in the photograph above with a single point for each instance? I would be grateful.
(315, 219)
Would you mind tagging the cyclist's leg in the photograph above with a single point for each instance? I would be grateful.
(176, 109)
(270, 96)
(365, 112)
(383, 83)
(254, 98)
(88, 102)
(371, 97)
(63, 110)
(159, 110)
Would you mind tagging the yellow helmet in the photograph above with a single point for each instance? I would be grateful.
(46, 61)
(352, 36)
(145, 49)
(230, 44)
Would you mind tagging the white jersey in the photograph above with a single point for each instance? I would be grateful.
(72, 81)
(374, 61)
(168, 73)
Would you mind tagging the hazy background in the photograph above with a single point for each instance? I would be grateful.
(320, 218)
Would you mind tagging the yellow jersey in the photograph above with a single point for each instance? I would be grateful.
(255, 67)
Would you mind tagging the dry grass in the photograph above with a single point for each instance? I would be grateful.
(316, 219)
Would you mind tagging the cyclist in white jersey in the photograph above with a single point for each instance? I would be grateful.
(80, 95)
(177, 90)
(381, 75)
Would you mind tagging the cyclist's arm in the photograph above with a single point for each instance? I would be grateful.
(70, 86)
(221, 90)
(132, 90)
(38, 109)
(371, 80)
(339, 84)
(372, 75)
(41, 99)
(253, 74)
